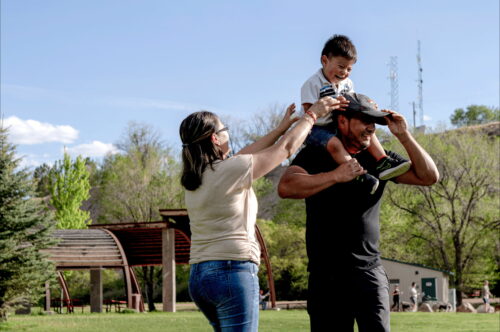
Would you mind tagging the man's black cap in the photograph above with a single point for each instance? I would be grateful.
(359, 103)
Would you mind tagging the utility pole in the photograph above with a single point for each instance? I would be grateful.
(420, 86)
(414, 115)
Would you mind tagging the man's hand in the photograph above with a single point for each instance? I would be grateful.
(348, 171)
(396, 123)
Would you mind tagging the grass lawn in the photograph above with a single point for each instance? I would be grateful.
(285, 320)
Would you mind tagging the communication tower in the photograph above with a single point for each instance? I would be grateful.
(393, 77)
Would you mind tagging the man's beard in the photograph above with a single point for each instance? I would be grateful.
(355, 142)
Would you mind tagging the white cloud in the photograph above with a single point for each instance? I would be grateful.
(427, 118)
(94, 149)
(35, 132)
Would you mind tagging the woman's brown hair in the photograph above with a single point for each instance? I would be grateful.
(198, 150)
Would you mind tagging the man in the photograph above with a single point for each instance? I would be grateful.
(346, 279)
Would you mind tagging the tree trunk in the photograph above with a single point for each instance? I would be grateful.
(148, 284)
(458, 272)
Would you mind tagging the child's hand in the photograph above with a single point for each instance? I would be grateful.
(325, 106)
(288, 118)
(342, 103)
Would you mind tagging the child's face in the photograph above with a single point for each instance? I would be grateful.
(336, 68)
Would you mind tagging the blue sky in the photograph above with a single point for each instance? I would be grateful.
(74, 73)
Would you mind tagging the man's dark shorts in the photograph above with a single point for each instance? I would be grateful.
(335, 300)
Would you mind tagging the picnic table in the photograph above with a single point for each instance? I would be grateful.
(70, 304)
(117, 304)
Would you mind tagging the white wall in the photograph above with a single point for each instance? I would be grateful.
(407, 273)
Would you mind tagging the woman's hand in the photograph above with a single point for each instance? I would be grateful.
(288, 119)
(326, 105)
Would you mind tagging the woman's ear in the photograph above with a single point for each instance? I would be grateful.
(215, 139)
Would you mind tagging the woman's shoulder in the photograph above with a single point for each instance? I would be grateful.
(242, 160)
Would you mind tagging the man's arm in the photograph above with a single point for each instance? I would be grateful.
(296, 182)
(423, 171)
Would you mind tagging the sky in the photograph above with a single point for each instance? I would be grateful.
(75, 73)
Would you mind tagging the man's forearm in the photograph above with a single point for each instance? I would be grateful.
(302, 185)
(423, 165)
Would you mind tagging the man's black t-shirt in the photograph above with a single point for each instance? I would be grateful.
(342, 226)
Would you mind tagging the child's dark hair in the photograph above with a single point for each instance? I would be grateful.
(198, 150)
(340, 45)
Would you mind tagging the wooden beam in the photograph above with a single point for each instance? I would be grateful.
(96, 290)
(168, 271)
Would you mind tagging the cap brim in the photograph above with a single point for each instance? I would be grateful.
(377, 116)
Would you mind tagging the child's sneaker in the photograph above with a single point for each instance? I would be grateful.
(389, 168)
(368, 181)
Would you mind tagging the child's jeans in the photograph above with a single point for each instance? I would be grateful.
(320, 136)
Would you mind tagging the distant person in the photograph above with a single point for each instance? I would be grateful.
(337, 59)
(486, 294)
(222, 209)
(414, 296)
(395, 298)
(263, 299)
(342, 225)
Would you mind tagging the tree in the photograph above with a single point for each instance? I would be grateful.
(287, 251)
(137, 183)
(24, 230)
(42, 175)
(475, 114)
(452, 225)
(69, 188)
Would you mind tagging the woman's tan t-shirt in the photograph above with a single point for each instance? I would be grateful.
(222, 213)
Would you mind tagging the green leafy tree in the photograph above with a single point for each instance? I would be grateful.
(69, 188)
(454, 224)
(474, 115)
(24, 230)
(42, 175)
(136, 184)
(287, 252)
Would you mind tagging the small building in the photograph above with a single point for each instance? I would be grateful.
(431, 283)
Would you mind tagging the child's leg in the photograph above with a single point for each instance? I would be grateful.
(376, 149)
(337, 150)
(340, 155)
(387, 167)
(323, 137)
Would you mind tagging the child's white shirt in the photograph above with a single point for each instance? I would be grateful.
(317, 86)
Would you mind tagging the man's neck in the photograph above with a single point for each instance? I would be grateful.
(351, 149)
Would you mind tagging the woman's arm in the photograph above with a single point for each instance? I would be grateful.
(273, 135)
(267, 159)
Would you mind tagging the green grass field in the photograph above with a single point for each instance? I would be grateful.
(285, 320)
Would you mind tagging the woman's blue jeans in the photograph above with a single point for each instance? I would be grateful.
(227, 292)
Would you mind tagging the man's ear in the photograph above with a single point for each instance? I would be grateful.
(215, 139)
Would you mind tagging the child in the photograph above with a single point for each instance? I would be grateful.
(337, 58)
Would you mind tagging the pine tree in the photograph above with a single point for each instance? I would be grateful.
(69, 189)
(25, 228)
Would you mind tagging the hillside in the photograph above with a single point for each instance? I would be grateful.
(268, 203)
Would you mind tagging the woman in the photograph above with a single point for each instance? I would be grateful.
(222, 210)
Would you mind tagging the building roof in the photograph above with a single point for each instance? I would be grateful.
(417, 265)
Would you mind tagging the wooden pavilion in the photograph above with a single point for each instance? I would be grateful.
(124, 245)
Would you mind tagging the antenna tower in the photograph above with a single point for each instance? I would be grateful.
(393, 77)
(420, 101)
